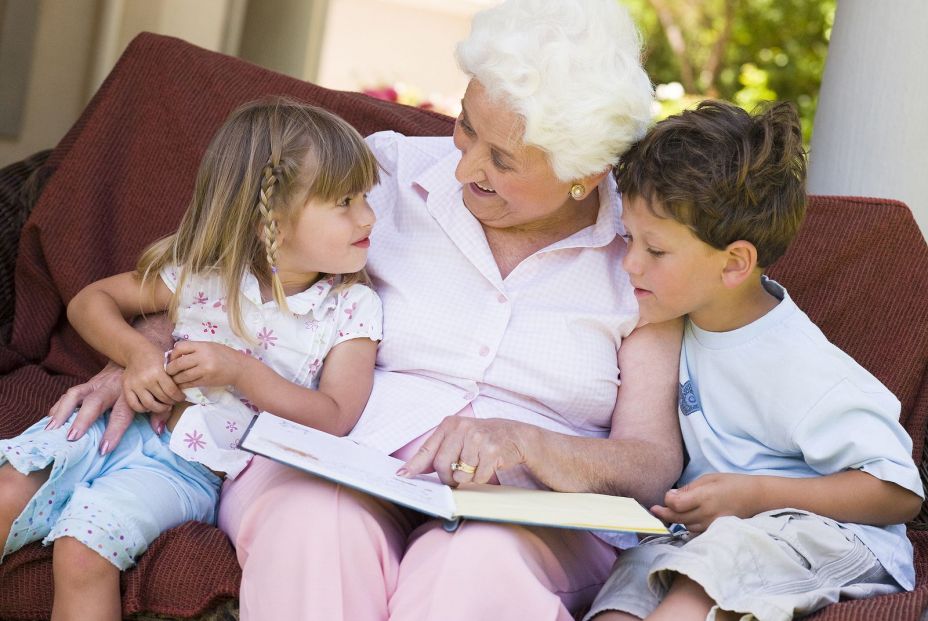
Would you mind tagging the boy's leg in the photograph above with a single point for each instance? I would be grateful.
(86, 584)
(16, 490)
(686, 600)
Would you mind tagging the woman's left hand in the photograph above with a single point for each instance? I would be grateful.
(484, 445)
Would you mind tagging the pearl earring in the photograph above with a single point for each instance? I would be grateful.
(576, 191)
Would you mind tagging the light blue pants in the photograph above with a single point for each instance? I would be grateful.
(115, 504)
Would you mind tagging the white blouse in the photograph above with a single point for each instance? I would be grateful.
(294, 344)
(539, 346)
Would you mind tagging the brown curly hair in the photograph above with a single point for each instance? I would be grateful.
(726, 174)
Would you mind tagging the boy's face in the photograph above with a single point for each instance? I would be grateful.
(674, 272)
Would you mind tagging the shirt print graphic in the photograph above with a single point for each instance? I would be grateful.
(688, 401)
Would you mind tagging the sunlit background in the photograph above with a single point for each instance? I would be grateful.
(55, 53)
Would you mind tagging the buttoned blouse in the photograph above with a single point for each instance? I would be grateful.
(294, 344)
(539, 346)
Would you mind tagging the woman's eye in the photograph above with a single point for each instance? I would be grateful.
(498, 163)
(465, 126)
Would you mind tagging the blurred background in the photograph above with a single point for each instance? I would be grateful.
(871, 134)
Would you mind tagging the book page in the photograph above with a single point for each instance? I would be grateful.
(547, 508)
(347, 462)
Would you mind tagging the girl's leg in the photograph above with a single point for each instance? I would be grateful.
(16, 489)
(86, 584)
(496, 571)
(310, 549)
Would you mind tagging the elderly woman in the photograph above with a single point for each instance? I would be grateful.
(507, 318)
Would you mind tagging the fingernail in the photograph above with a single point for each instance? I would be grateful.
(402, 472)
(105, 447)
(50, 425)
(72, 435)
(160, 426)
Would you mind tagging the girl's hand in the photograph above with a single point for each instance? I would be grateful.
(486, 445)
(699, 503)
(145, 384)
(194, 364)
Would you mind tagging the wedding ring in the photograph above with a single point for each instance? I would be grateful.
(465, 468)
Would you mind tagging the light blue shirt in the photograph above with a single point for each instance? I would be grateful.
(777, 398)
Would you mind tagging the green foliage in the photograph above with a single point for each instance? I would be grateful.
(773, 49)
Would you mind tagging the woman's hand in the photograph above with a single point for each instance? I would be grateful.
(485, 445)
(146, 385)
(697, 504)
(194, 364)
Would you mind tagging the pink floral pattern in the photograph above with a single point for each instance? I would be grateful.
(194, 440)
(293, 344)
(266, 338)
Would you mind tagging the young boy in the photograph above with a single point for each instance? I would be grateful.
(799, 477)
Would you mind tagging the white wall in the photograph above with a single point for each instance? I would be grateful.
(373, 42)
(78, 42)
(55, 91)
(870, 135)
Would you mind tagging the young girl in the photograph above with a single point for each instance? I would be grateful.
(263, 282)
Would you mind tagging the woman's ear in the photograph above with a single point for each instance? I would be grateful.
(590, 182)
(740, 263)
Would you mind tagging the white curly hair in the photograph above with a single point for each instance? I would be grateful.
(571, 69)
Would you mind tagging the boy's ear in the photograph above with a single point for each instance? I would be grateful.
(740, 263)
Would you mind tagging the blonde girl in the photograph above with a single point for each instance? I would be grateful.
(264, 282)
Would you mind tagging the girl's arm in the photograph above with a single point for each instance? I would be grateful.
(100, 313)
(641, 458)
(344, 386)
(849, 496)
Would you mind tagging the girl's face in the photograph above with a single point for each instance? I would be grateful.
(330, 237)
(506, 183)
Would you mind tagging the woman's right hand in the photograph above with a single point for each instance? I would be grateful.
(101, 392)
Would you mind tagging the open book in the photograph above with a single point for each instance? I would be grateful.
(345, 461)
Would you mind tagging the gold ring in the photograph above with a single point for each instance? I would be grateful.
(465, 468)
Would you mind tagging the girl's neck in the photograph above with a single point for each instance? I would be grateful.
(292, 283)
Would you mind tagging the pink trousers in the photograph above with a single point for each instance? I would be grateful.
(313, 550)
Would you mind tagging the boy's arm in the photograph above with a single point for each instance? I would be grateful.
(344, 386)
(849, 496)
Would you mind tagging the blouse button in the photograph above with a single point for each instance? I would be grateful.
(484, 350)
(501, 298)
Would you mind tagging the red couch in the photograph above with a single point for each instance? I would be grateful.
(122, 176)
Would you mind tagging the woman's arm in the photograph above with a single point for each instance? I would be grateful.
(100, 313)
(344, 386)
(104, 391)
(641, 458)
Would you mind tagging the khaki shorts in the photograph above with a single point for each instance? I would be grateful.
(771, 567)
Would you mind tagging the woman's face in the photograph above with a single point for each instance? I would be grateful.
(506, 183)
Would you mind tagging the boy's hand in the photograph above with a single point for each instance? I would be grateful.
(146, 385)
(194, 364)
(699, 503)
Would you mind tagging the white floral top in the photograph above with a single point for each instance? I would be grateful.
(294, 344)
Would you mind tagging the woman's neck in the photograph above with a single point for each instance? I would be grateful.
(512, 245)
